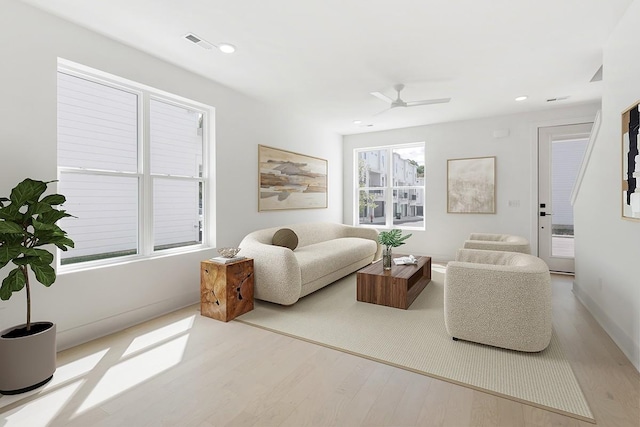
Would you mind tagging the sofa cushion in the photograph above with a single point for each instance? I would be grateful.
(323, 258)
(285, 237)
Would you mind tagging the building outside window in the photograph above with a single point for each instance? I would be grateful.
(130, 162)
(390, 189)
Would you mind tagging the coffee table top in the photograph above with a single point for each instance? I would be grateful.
(401, 271)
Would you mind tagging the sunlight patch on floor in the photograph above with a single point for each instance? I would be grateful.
(41, 411)
(137, 369)
(156, 336)
(75, 369)
(439, 268)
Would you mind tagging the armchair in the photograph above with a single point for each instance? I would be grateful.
(498, 298)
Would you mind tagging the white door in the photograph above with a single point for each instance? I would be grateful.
(560, 153)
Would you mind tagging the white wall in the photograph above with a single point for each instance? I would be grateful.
(516, 174)
(607, 246)
(91, 303)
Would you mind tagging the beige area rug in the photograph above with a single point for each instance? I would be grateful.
(416, 340)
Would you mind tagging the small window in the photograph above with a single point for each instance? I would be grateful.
(391, 195)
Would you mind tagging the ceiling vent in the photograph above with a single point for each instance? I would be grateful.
(197, 40)
(559, 98)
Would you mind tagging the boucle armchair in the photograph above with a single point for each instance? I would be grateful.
(498, 242)
(502, 299)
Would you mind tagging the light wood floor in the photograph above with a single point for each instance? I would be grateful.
(187, 370)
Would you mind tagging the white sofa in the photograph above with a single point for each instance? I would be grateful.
(498, 242)
(325, 253)
(498, 298)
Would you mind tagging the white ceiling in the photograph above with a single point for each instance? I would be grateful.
(323, 57)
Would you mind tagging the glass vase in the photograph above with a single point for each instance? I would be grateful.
(386, 258)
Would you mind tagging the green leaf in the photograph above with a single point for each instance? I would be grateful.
(41, 226)
(10, 227)
(7, 253)
(54, 199)
(52, 216)
(24, 260)
(28, 191)
(45, 274)
(14, 282)
(39, 208)
(392, 238)
(43, 255)
(11, 212)
(2, 200)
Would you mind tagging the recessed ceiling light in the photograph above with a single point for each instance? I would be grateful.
(521, 98)
(226, 48)
(357, 122)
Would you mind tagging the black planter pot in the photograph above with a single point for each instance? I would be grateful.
(28, 359)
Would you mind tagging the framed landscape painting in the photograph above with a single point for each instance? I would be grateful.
(289, 180)
(471, 185)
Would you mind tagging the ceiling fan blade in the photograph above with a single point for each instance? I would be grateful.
(428, 102)
(383, 111)
(382, 97)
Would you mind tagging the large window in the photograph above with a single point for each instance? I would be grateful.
(390, 186)
(130, 162)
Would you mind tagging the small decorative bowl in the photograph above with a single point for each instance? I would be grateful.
(228, 252)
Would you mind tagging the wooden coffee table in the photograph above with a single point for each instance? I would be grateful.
(397, 287)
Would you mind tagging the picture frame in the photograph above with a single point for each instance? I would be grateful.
(471, 185)
(630, 158)
(289, 180)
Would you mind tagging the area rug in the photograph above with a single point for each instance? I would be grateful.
(416, 340)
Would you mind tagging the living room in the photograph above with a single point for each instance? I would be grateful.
(95, 302)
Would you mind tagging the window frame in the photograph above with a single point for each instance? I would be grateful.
(145, 239)
(388, 188)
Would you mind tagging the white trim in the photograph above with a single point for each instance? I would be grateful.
(145, 238)
(388, 188)
(533, 218)
(587, 156)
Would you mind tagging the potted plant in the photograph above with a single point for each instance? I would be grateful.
(390, 239)
(27, 223)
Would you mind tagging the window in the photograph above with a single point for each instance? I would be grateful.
(390, 189)
(130, 162)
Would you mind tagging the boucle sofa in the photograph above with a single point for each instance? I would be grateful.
(498, 242)
(498, 298)
(325, 253)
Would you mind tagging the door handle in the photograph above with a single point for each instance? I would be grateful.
(545, 214)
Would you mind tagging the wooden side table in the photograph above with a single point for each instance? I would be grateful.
(226, 290)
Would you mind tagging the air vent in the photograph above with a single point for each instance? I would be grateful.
(197, 40)
(559, 98)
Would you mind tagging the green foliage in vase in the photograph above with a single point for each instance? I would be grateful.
(392, 239)
(28, 222)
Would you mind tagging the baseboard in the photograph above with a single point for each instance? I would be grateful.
(100, 328)
(630, 348)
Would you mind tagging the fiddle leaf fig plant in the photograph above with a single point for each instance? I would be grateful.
(392, 238)
(27, 223)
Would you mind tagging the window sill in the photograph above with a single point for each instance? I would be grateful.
(116, 262)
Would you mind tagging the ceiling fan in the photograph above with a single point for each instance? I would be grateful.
(398, 102)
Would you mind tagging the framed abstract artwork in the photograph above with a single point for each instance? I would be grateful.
(630, 163)
(471, 185)
(289, 180)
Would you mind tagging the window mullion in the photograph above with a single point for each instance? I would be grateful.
(389, 206)
(145, 221)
